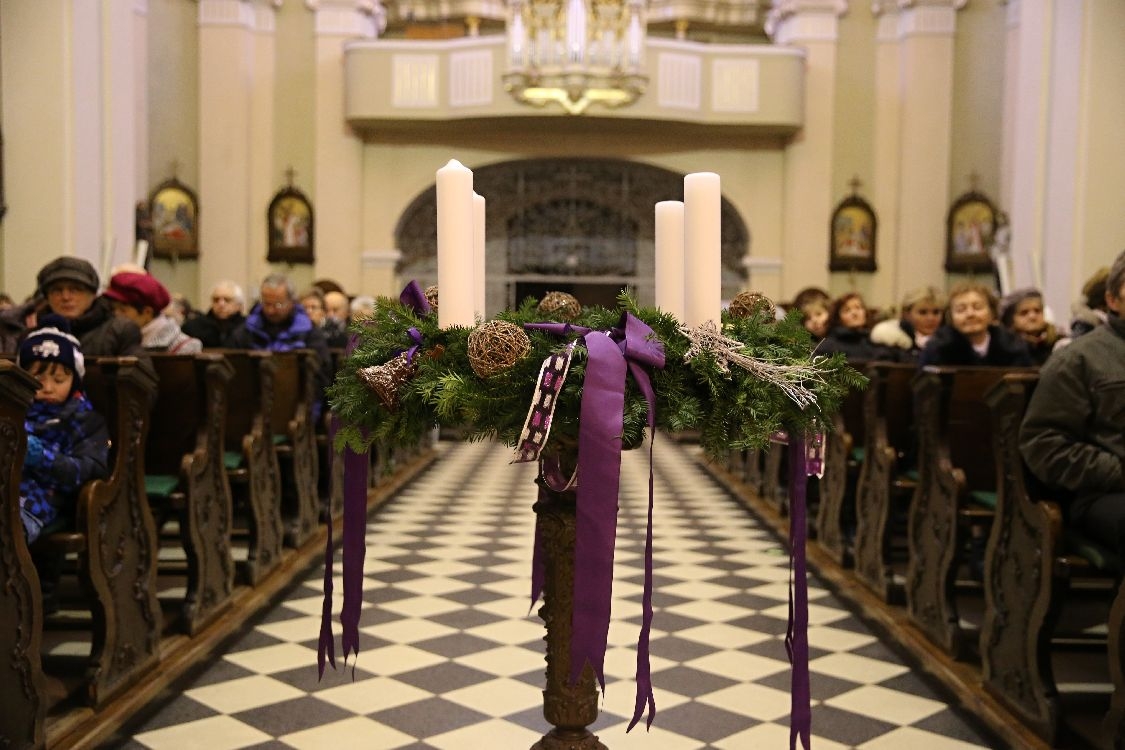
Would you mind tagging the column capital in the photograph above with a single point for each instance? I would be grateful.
(265, 15)
(226, 13)
(348, 18)
(795, 21)
(928, 17)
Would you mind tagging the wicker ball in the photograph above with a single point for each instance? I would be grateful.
(387, 380)
(560, 305)
(431, 296)
(746, 304)
(496, 346)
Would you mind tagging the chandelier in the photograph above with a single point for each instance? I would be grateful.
(575, 53)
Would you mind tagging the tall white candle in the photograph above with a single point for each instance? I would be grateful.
(670, 258)
(702, 248)
(455, 245)
(478, 255)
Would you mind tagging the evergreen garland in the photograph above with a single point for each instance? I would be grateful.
(729, 411)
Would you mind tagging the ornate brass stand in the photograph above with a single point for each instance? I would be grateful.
(569, 708)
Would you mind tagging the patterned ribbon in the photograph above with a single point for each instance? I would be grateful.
(537, 425)
(630, 348)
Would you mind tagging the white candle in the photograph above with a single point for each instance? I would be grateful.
(702, 248)
(455, 245)
(478, 256)
(670, 258)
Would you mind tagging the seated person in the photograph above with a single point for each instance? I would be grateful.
(67, 441)
(1089, 311)
(141, 298)
(221, 320)
(971, 336)
(313, 302)
(922, 311)
(848, 332)
(814, 316)
(363, 306)
(70, 287)
(1021, 312)
(337, 309)
(1073, 433)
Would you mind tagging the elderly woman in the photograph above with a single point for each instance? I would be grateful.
(971, 334)
(922, 311)
(222, 319)
(1021, 312)
(848, 332)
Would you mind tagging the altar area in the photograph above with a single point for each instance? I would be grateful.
(450, 656)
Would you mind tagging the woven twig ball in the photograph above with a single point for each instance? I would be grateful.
(431, 296)
(496, 346)
(387, 380)
(746, 304)
(560, 305)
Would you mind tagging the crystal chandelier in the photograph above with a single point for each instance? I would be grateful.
(575, 53)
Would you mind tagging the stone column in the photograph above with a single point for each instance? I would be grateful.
(887, 147)
(226, 88)
(265, 177)
(1068, 74)
(69, 113)
(925, 34)
(812, 26)
(337, 188)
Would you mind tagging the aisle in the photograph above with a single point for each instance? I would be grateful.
(451, 659)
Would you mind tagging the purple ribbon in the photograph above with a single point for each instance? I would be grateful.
(415, 336)
(354, 551)
(630, 348)
(797, 633)
(413, 297)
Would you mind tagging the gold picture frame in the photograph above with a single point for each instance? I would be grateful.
(851, 236)
(174, 219)
(970, 230)
(290, 224)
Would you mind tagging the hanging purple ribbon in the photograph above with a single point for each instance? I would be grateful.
(797, 633)
(630, 348)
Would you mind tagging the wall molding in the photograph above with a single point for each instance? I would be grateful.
(226, 13)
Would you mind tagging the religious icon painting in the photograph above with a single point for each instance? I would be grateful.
(174, 221)
(290, 227)
(852, 236)
(970, 233)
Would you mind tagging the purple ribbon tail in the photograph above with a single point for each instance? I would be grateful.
(326, 648)
(413, 297)
(355, 547)
(599, 472)
(644, 669)
(797, 635)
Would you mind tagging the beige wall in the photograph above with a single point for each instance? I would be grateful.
(978, 97)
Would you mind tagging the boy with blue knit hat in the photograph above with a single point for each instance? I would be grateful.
(67, 441)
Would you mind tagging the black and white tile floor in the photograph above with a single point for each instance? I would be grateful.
(451, 658)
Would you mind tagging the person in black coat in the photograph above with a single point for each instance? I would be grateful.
(971, 335)
(222, 319)
(848, 332)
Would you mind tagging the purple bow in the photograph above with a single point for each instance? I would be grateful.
(413, 297)
(631, 347)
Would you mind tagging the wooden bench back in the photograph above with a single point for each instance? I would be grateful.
(250, 397)
(293, 388)
(179, 411)
(893, 404)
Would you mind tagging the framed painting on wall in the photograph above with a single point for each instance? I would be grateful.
(290, 227)
(970, 230)
(174, 211)
(852, 236)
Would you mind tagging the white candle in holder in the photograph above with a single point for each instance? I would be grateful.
(702, 248)
(670, 258)
(478, 256)
(455, 245)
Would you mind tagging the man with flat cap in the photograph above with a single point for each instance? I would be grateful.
(68, 286)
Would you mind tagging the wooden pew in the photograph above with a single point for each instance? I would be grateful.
(23, 701)
(184, 471)
(956, 489)
(1030, 565)
(250, 459)
(837, 487)
(888, 454)
(295, 442)
(333, 480)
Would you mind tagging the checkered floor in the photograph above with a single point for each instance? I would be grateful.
(450, 657)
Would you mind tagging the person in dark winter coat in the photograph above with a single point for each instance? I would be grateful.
(222, 319)
(971, 335)
(1021, 312)
(67, 441)
(922, 311)
(70, 287)
(1072, 436)
(848, 332)
(278, 323)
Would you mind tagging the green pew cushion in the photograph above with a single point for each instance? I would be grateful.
(160, 485)
(1098, 555)
(858, 453)
(987, 499)
(232, 460)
